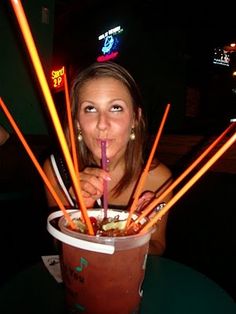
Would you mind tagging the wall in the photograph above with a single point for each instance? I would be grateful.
(18, 85)
(153, 52)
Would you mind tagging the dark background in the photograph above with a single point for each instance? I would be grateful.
(168, 49)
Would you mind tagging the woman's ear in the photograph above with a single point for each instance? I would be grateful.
(77, 124)
(137, 119)
(139, 113)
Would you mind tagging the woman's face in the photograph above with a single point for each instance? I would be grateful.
(105, 113)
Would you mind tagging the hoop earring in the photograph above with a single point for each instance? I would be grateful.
(132, 135)
(80, 137)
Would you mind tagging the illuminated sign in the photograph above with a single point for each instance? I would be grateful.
(57, 77)
(221, 57)
(112, 55)
(110, 43)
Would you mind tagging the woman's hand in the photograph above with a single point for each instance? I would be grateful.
(91, 182)
(157, 242)
(144, 199)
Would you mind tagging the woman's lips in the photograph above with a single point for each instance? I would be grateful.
(99, 141)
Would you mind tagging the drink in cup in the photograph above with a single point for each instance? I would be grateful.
(98, 282)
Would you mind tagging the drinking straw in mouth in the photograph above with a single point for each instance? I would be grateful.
(146, 169)
(105, 187)
(24, 27)
(36, 163)
(170, 188)
(188, 185)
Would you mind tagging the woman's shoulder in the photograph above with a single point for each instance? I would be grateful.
(160, 169)
(158, 176)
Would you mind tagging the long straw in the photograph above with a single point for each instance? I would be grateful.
(36, 163)
(190, 183)
(146, 169)
(20, 15)
(160, 198)
(71, 130)
(105, 187)
(70, 124)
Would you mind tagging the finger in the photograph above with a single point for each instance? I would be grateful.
(97, 172)
(144, 200)
(92, 187)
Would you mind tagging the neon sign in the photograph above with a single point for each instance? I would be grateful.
(221, 57)
(112, 55)
(110, 42)
(57, 77)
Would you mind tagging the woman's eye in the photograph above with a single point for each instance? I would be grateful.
(90, 109)
(116, 108)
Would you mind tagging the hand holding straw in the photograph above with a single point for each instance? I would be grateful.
(19, 12)
(188, 185)
(170, 188)
(36, 163)
(105, 187)
(146, 169)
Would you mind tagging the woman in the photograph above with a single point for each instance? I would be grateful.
(106, 105)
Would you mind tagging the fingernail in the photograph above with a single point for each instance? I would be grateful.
(141, 198)
(107, 178)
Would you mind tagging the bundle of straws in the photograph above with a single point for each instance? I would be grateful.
(71, 158)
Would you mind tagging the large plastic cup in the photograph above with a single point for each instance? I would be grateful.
(103, 275)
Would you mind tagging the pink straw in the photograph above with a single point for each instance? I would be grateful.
(105, 187)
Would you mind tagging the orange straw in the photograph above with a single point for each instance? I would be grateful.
(71, 127)
(36, 163)
(19, 12)
(70, 124)
(188, 185)
(157, 200)
(146, 169)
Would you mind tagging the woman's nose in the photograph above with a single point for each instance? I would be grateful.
(103, 121)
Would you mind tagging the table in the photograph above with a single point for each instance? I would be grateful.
(169, 288)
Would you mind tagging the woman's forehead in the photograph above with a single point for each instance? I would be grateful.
(105, 85)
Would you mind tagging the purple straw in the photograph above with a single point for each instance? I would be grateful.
(105, 187)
